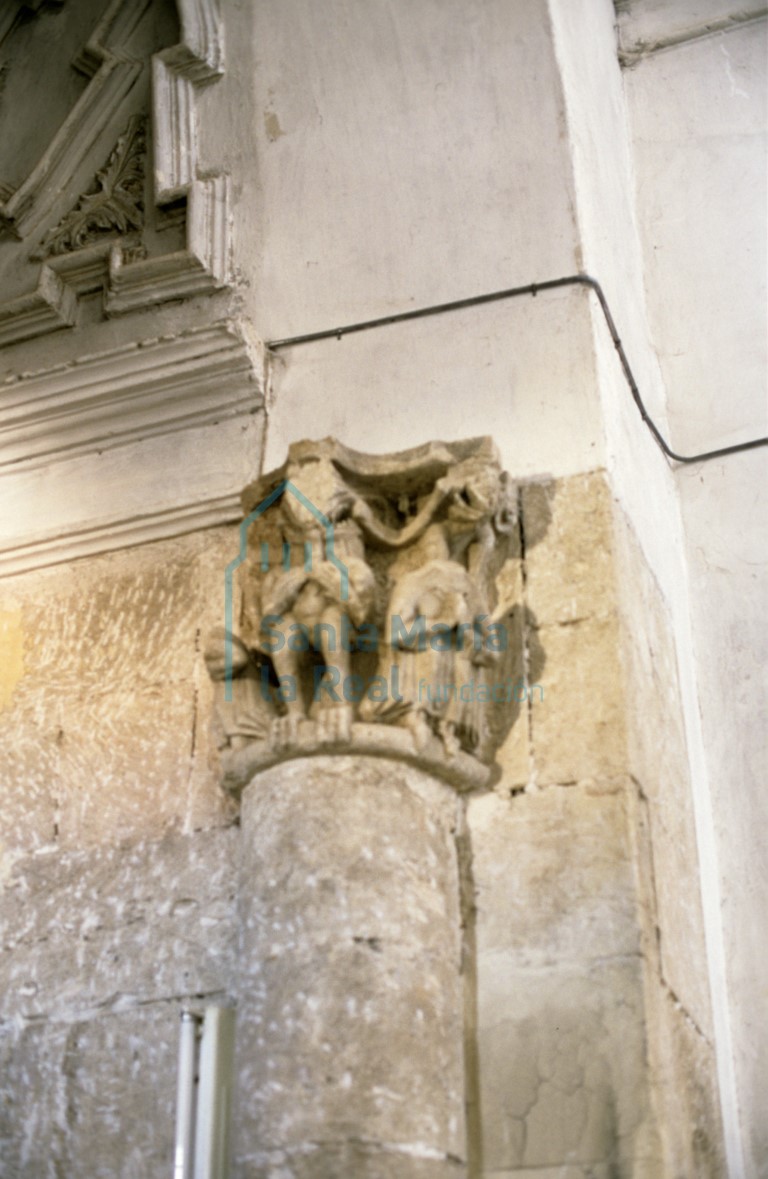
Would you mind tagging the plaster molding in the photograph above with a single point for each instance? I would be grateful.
(129, 283)
(113, 204)
(52, 305)
(146, 441)
(137, 391)
(201, 268)
(56, 547)
(200, 54)
(33, 200)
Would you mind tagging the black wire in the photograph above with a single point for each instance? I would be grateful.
(511, 293)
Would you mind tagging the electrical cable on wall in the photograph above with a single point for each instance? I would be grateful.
(511, 293)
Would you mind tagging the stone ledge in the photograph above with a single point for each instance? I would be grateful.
(461, 771)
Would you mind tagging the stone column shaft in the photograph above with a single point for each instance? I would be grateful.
(350, 1007)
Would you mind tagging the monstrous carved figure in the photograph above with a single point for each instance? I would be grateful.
(369, 599)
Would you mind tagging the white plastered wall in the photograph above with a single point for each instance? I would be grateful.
(689, 149)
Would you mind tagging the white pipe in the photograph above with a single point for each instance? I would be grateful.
(183, 1155)
(214, 1094)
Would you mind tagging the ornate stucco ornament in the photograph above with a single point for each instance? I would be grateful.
(374, 615)
(113, 206)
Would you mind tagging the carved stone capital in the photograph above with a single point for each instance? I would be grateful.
(375, 616)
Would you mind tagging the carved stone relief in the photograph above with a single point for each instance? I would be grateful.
(115, 204)
(375, 611)
(91, 234)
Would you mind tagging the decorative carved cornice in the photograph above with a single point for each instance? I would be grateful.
(157, 431)
(56, 546)
(137, 391)
(201, 268)
(114, 205)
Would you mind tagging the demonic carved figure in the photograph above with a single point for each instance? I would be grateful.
(310, 612)
(401, 551)
(440, 671)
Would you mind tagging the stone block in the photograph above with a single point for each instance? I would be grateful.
(30, 790)
(563, 1076)
(578, 718)
(640, 1169)
(351, 1160)
(553, 877)
(678, 902)
(119, 925)
(11, 653)
(514, 755)
(568, 548)
(102, 738)
(33, 1103)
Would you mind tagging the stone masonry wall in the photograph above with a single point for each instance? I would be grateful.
(563, 1079)
(121, 854)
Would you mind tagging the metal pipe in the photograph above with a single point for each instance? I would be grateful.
(512, 293)
(186, 1095)
(214, 1096)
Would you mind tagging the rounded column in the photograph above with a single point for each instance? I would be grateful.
(349, 1045)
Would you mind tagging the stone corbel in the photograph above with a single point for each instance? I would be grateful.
(53, 304)
(201, 268)
(376, 613)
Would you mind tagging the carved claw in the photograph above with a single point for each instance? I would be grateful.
(284, 733)
(334, 726)
(450, 740)
(421, 730)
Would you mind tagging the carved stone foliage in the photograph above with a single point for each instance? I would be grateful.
(376, 611)
(115, 203)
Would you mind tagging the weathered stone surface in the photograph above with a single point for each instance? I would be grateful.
(563, 1074)
(568, 548)
(686, 1089)
(578, 720)
(640, 1169)
(656, 742)
(102, 738)
(514, 755)
(118, 926)
(362, 1160)
(370, 594)
(11, 653)
(553, 878)
(658, 759)
(93, 1098)
(559, 983)
(350, 994)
